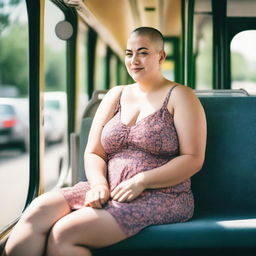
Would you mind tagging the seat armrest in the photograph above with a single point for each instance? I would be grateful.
(74, 157)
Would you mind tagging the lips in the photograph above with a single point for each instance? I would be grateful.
(136, 69)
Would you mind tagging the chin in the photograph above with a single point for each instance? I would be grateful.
(137, 78)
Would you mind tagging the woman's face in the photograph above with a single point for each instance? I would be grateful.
(142, 59)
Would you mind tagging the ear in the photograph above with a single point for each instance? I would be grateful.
(162, 56)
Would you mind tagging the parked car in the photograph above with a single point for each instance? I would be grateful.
(55, 111)
(14, 122)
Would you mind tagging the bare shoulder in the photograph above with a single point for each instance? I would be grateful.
(112, 96)
(183, 90)
(183, 95)
(114, 93)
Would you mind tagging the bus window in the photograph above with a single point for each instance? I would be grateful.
(101, 52)
(202, 45)
(83, 71)
(14, 110)
(113, 71)
(245, 8)
(55, 99)
(169, 68)
(243, 61)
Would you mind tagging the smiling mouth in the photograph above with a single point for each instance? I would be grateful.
(136, 69)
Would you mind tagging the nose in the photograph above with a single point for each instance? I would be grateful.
(134, 59)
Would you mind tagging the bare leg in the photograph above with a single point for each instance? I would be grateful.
(29, 236)
(86, 228)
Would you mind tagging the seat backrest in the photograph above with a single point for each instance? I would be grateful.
(226, 183)
(84, 133)
(94, 102)
(221, 92)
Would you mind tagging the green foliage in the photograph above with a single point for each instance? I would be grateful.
(55, 73)
(14, 66)
(4, 15)
(14, 57)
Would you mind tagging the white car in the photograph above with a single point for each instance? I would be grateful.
(55, 110)
(14, 122)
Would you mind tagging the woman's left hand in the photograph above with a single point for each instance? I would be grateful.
(128, 190)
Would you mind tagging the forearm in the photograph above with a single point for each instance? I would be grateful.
(172, 173)
(96, 169)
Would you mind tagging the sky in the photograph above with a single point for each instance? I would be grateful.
(245, 43)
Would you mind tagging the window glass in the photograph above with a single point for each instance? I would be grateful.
(243, 61)
(168, 47)
(172, 52)
(101, 51)
(55, 100)
(83, 76)
(113, 71)
(168, 69)
(203, 51)
(245, 8)
(14, 111)
(203, 6)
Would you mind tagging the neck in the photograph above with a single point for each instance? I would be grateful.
(150, 85)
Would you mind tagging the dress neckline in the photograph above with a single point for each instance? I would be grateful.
(144, 118)
(164, 107)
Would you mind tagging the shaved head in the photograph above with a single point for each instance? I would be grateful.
(154, 35)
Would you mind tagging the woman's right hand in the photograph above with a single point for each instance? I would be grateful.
(97, 196)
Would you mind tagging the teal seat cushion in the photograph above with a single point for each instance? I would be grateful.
(197, 233)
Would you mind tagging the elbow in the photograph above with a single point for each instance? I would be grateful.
(199, 162)
(92, 154)
(196, 162)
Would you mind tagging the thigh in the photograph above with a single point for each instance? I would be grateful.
(45, 210)
(93, 228)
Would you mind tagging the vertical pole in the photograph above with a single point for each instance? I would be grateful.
(35, 10)
(190, 55)
(107, 69)
(220, 71)
(71, 73)
(92, 39)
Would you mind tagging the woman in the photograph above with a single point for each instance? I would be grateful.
(147, 139)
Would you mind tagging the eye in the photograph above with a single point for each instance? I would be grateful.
(144, 53)
(128, 54)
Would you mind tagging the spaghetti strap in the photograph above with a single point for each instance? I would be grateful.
(118, 105)
(168, 96)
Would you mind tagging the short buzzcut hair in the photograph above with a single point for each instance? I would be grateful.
(154, 34)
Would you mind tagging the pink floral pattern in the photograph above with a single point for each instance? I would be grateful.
(150, 143)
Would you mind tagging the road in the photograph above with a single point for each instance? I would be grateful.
(14, 178)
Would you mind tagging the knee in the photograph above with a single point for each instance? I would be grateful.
(59, 240)
(36, 210)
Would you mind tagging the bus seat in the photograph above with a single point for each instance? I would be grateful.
(93, 104)
(224, 190)
(220, 92)
(79, 141)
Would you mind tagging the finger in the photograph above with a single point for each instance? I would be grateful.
(130, 198)
(115, 191)
(96, 201)
(119, 194)
(102, 197)
(92, 200)
(124, 197)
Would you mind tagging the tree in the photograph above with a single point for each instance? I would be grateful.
(14, 57)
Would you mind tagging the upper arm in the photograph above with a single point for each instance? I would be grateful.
(103, 114)
(190, 123)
